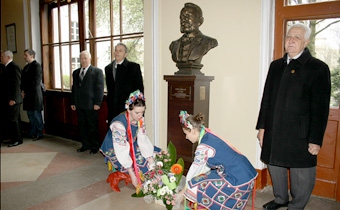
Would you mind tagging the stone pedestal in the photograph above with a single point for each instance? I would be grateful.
(190, 93)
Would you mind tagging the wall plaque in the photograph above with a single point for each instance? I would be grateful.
(180, 92)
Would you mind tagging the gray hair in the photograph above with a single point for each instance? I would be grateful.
(85, 52)
(122, 44)
(8, 53)
(307, 30)
(30, 51)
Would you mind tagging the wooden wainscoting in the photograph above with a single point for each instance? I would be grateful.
(62, 121)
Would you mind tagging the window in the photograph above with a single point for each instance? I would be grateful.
(93, 25)
(323, 17)
(74, 31)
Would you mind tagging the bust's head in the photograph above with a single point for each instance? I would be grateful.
(191, 18)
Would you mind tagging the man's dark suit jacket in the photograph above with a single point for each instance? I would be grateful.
(31, 85)
(199, 46)
(128, 79)
(294, 110)
(90, 91)
(12, 78)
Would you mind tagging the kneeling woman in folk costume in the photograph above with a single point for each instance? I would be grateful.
(220, 176)
(126, 147)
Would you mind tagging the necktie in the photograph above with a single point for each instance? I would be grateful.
(82, 73)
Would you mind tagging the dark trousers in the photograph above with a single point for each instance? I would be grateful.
(302, 181)
(36, 123)
(14, 123)
(4, 128)
(88, 128)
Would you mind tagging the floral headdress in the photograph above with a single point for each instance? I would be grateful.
(133, 97)
(183, 115)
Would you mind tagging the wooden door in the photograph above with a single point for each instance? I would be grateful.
(327, 172)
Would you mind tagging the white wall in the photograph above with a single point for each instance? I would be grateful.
(234, 63)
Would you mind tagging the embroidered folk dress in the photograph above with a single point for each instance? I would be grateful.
(220, 177)
(116, 147)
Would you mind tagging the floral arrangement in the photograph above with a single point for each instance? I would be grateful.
(161, 183)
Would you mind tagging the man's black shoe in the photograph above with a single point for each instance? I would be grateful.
(38, 137)
(93, 151)
(81, 149)
(272, 205)
(15, 144)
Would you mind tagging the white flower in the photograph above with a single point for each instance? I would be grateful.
(159, 163)
(162, 191)
(172, 179)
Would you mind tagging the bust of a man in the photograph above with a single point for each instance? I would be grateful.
(193, 45)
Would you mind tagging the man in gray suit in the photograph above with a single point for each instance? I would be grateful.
(86, 98)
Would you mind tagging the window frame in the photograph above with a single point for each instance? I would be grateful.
(283, 14)
(84, 42)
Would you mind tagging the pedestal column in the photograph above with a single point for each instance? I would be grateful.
(190, 93)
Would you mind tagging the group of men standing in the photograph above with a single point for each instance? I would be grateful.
(20, 87)
(122, 78)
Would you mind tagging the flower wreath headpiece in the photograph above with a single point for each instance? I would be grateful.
(133, 97)
(183, 115)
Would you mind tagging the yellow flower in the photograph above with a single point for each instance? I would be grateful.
(176, 168)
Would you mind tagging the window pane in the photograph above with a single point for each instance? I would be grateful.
(299, 2)
(133, 16)
(74, 22)
(116, 18)
(103, 54)
(57, 77)
(75, 64)
(325, 45)
(136, 51)
(64, 20)
(65, 53)
(103, 18)
(55, 25)
(88, 33)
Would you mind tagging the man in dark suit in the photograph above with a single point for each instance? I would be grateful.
(193, 45)
(293, 118)
(122, 78)
(86, 98)
(31, 91)
(12, 79)
(3, 105)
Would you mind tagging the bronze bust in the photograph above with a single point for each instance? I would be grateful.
(188, 50)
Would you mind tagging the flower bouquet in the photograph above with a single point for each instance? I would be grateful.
(162, 182)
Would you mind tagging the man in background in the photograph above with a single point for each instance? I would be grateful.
(12, 81)
(86, 98)
(122, 78)
(3, 106)
(32, 95)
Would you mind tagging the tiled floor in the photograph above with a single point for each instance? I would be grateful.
(50, 175)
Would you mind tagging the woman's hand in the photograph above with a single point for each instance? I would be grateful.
(152, 164)
(180, 196)
(133, 177)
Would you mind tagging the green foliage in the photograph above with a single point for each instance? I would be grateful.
(335, 79)
(140, 194)
(173, 153)
(66, 82)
